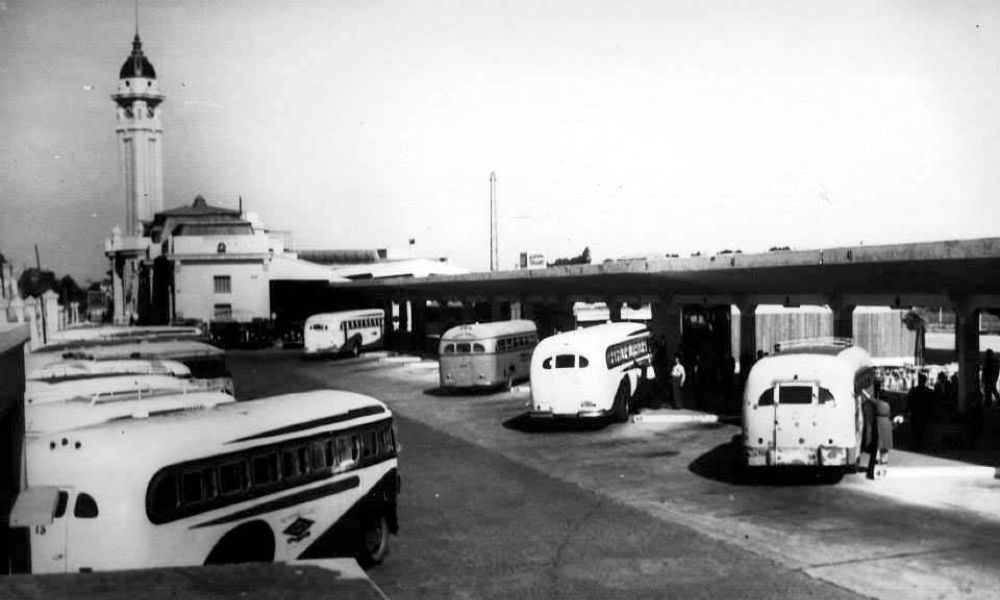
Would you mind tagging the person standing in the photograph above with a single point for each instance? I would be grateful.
(677, 377)
(920, 404)
(877, 438)
(726, 380)
(991, 372)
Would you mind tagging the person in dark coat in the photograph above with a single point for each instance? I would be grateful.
(877, 438)
(991, 372)
(920, 404)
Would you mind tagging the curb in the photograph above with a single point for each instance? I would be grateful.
(678, 418)
(425, 365)
(950, 471)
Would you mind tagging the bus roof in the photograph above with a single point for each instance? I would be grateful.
(81, 412)
(151, 443)
(111, 335)
(471, 331)
(175, 349)
(347, 314)
(97, 388)
(75, 369)
(822, 364)
(596, 337)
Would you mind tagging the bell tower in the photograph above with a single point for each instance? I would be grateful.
(140, 139)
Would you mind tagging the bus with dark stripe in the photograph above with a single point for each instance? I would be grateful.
(308, 475)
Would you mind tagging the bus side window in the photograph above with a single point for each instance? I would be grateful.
(61, 502)
(265, 469)
(86, 507)
(289, 464)
(191, 487)
(330, 453)
(767, 398)
(209, 483)
(233, 478)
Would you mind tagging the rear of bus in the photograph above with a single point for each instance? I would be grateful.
(801, 409)
(322, 334)
(569, 378)
(483, 355)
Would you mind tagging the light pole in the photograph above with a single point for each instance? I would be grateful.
(494, 261)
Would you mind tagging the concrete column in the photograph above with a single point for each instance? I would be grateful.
(527, 310)
(468, 311)
(118, 292)
(34, 322)
(614, 309)
(50, 304)
(748, 335)
(967, 349)
(17, 307)
(418, 322)
(496, 310)
(843, 319)
(666, 323)
(515, 310)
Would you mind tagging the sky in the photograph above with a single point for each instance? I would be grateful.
(633, 127)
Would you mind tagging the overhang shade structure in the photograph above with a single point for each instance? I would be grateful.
(287, 268)
(929, 274)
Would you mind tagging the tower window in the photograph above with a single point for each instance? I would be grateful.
(223, 284)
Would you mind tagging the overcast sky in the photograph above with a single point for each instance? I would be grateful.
(631, 127)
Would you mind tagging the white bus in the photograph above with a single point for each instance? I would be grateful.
(116, 334)
(348, 331)
(486, 354)
(42, 392)
(309, 475)
(203, 360)
(592, 372)
(802, 406)
(81, 411)
(70, 369)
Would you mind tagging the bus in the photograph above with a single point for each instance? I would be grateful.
(117, 334)
(81, 411)
(348, 331)
(591, 373)
(802, 406)
(298, 476)
(74, 370)
(203, 360)
(43, 392)
(484, 355)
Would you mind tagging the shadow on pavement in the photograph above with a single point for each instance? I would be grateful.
(725, 463)
(445, 393)
(524, 422)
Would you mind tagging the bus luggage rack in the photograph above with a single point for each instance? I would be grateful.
(827, 341)
(192, 387)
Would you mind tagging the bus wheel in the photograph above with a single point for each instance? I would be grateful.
(356, 348)
(621, 404)
(509, 383)
(374, 542)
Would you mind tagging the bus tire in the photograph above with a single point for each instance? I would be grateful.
(621, 404)
(374, 542)
(250, 542)
(509, 381)
(355, 347)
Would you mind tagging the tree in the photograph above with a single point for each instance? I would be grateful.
(35, 282)
(582, 259)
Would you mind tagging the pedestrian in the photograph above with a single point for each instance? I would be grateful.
(677, 378)
(991, 372)
(920, 404)
(877, 434)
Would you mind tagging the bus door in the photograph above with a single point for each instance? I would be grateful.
(796, 426)
(42, 510)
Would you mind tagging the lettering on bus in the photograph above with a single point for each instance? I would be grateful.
(636, 350)
(205, 484)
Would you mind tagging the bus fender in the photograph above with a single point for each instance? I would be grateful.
(633, 383)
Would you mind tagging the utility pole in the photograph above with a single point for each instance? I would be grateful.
(494, 251)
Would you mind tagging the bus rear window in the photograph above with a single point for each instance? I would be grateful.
(767, 398)
(825, 395)
(795, 394)
(317, 327)
(565, 361)
(449, 349)
(463, 348)
(478, 348)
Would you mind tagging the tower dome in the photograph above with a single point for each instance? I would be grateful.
(137, 65)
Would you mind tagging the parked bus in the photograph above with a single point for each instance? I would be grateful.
(42, 392)
(297, 476)
(592, 372)
(81, 411)
(72, 370)
(486, 354)
(349, 331)
(203, 360)
(116, 334)
(802, 406)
